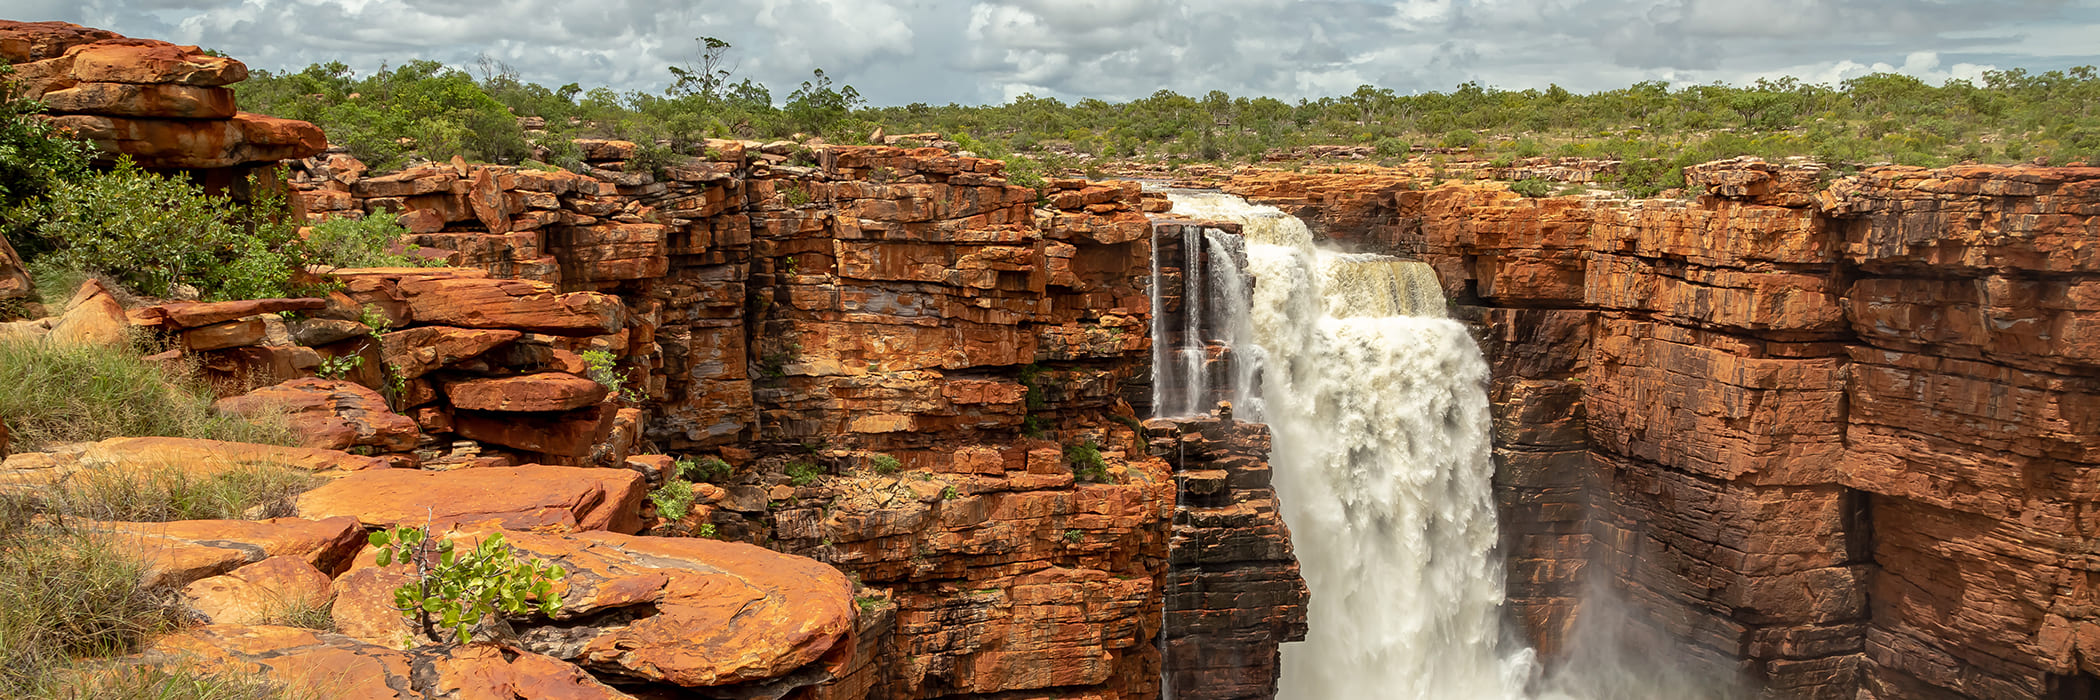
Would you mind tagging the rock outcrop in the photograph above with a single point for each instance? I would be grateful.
(1234, 594)
(1824, 434)
(164, 105)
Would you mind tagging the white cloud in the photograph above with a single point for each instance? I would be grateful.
(898, 51)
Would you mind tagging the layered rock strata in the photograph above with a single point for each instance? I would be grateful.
(1234, 594)
(163, 105)
(1823, 435)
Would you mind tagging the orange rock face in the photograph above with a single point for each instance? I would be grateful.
(1829, 435)
(331, 415)
(518, 497)
(164, 105)
(353, 670)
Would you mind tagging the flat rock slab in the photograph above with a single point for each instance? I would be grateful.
(349, 669)
(195, 314)
(418, 351)
(515, 304)
(521, 498)
(257, 593)
(548, 391)
(178, 553)
(687, 612)
(724, 612)
(330, 414)
(187, 455)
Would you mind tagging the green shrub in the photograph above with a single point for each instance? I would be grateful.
(365, 242)
(803, 473)
(34, 160)
(1532, 187)
(455, 591)
(54, 393)
(674, 499)
(1087, 462)
(885, 464)
(706, 469)
(151, 232)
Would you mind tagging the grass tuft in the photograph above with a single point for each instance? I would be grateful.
(247, 492)
(53, 393)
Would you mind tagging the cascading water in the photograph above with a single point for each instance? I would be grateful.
(1381, 460)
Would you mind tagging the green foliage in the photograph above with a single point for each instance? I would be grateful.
(34, 160)
(366, 242)
(885, 464)
(948, 493)
(151, 232)
(339, 366)
(454, 591)
(1087, 462)
(601, 366)
(1532, 187)
(53, 393)
(1074, 536)
(674, 499)
(706, 469)
(803, 473)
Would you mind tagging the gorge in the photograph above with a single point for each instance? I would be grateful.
(1796, 433)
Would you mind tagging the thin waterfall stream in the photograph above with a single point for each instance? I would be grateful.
(1381, 457)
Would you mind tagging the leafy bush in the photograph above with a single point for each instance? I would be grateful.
(1087, 462)
(366, 242)
(705, 469)
(455, 591)
(151, 232)
(674, 499)
(803, 473)
(54, 393)
(34, 160)
(1532, 187)
(885, 464)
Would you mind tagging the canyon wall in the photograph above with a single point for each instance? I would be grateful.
(1830, 433)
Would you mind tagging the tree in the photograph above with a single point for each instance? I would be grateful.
(707, 79)
(455, 591)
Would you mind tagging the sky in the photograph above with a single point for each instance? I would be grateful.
(983, 51)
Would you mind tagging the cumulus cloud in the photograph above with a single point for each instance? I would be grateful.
(970, 51)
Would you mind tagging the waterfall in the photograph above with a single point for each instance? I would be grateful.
(1381, 461)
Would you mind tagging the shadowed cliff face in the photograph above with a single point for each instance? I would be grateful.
(1830, 435)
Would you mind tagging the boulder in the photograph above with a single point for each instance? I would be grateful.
(258, 593)
(94, 316)
(150, 62)
(548, 391)
(572, 434)
(21, 42)
(345, 668)
(15, 283)
(514, 304)
(178, 553)
(330, 414)
(418, 351)
(193, 314)
(524, 497)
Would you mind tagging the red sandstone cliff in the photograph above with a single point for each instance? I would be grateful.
(1833, 432)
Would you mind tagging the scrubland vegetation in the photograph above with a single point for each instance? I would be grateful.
(425, 109)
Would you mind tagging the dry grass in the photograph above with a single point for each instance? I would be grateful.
(53, 394)
(246, 492)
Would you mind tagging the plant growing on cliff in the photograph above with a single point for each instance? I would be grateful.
(885, 464)
(803, 473)
(706, 469)
(1532, 187)
(454, 591)
(603, 369)
(674, 499)
(339, 366)
(1087, 462)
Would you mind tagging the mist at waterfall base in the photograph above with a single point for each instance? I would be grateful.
(1381, 458)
